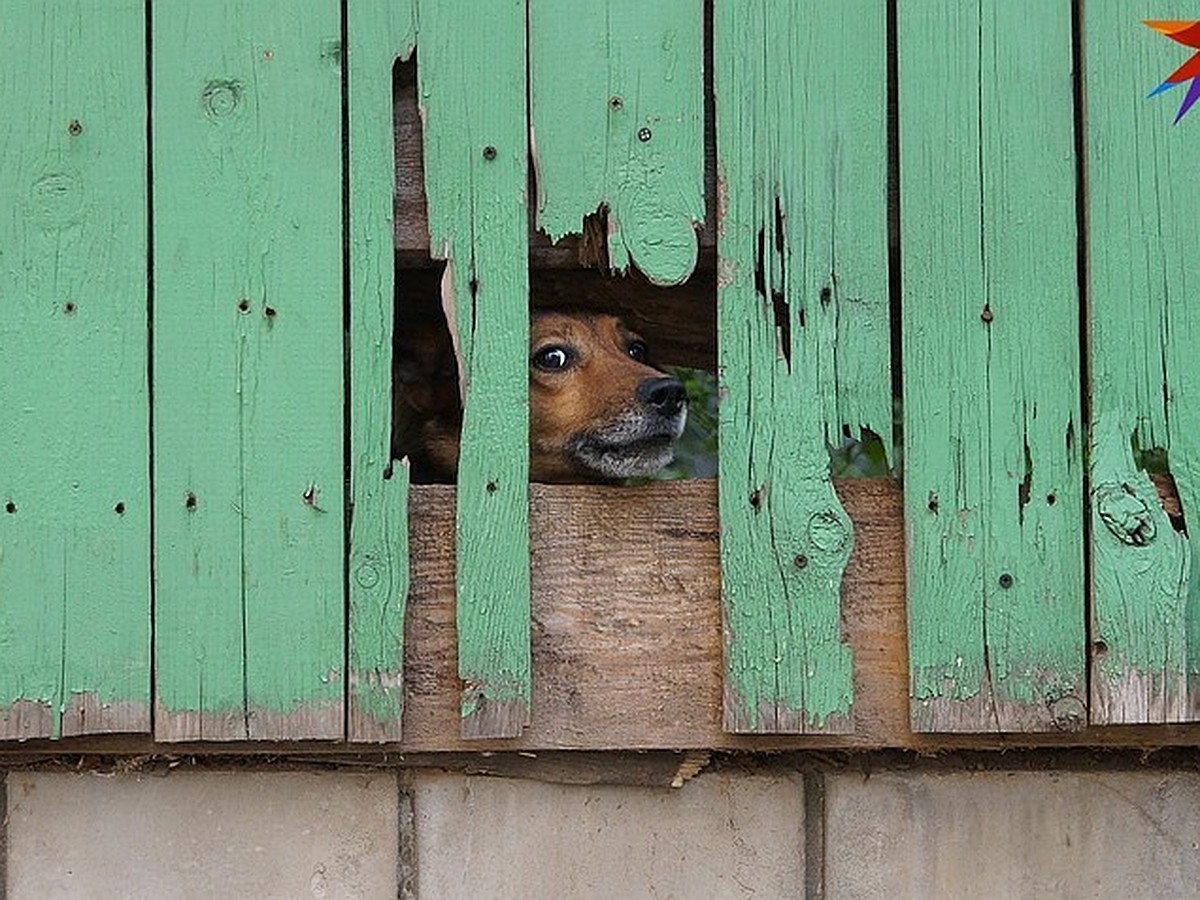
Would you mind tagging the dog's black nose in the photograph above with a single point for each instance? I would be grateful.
(665, 395)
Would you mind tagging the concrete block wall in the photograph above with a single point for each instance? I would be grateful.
(728, 833)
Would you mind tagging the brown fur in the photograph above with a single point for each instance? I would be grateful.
(592, 420)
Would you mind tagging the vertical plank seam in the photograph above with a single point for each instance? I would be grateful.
(4, 836)
(1085, 368)
(347, 373)
(240, 360)
(407, 871)
(989, 681)
(151, 493)
(814, 835)
(56, 715)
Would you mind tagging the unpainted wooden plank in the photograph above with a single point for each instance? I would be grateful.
(993, 481)
(378, 33)
(248, 387)
(627, 612)
(617, 100)
(74, 483)
(471, 78)
(1142, 272)
(804, 352)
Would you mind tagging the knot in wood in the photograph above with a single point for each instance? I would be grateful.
(1068, 712)
(1124, 514)
(827, 531)
(367, 575)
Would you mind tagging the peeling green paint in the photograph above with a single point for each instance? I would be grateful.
(378, 32)
(993, 481)
(1143, 269)
(476, 173)
(802, 317)
(617, 99)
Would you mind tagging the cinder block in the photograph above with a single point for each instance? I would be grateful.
(719, 836)
(1013, 834)
(202, 835)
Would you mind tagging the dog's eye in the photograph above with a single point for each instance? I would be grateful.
(552, 358)
(637, 351)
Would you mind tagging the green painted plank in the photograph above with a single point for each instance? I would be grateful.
(617, 100)
(1143, 272)
(803, 324)
(471, 78)
(248, 393)
(377, 32)
(74, 482)
(993, 485)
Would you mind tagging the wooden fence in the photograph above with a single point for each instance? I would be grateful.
(204, 536)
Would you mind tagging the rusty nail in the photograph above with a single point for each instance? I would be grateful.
(987, 315)
(489, 152)
(644, 134)
(801, 561)
(1006, 580)
(74, 128)
(615, 102)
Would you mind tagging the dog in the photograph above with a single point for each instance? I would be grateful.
(599, 411)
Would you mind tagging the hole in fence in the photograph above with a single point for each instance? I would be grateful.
(572, 276)
(10, 507)
(119, 509)
(1155, 462)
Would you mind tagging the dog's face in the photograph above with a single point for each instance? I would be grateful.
(596, 408)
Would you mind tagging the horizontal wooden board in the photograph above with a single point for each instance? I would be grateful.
(627, 628)
(627, 639)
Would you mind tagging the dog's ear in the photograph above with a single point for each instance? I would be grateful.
(425, 402)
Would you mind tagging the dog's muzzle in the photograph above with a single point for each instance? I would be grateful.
(641, 440)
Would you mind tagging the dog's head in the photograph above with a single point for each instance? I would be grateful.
(597, 409)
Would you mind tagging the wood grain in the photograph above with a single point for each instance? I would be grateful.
(627, 629)
(616, 102)
(991, 347)
(803, 325)
(248, 357)
(74, 483)
(377, 33)
(472, 81)
(1142, 273)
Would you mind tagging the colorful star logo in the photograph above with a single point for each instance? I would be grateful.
(1188, 34)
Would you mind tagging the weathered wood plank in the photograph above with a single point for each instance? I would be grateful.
(802, 318)
(634, 661)
(248, 393)
(74, 485)
(378, 32)
(993, 484)
(1142, 274)
(472, 82)
(617, 99)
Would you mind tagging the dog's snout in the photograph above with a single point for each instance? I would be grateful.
(665, 395)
